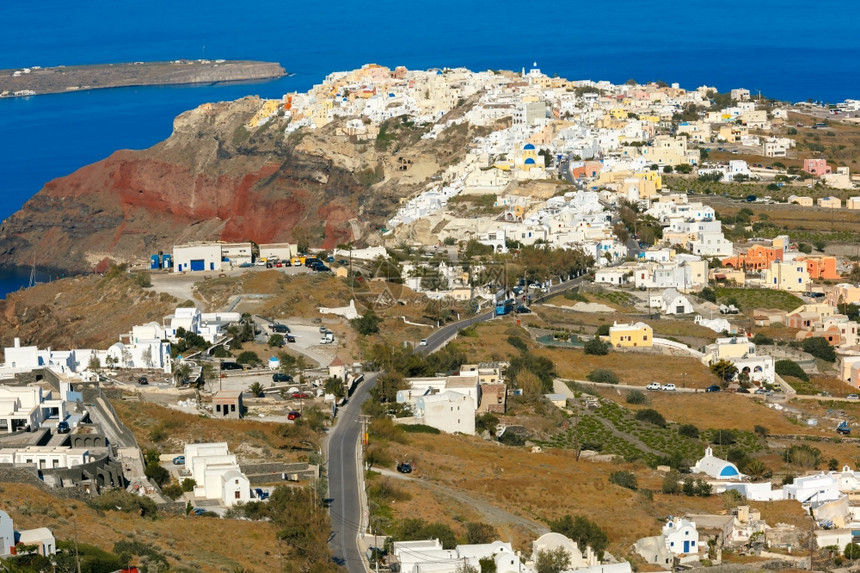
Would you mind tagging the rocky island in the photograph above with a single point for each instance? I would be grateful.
(36, 80)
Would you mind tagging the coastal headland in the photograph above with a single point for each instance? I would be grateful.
(24, 82)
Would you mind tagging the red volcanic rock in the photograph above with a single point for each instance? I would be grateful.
(197, 185)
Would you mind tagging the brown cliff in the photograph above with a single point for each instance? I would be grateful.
(214, 179)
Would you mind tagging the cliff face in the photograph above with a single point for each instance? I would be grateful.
(215, 179)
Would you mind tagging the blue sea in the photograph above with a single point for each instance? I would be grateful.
(790, 50)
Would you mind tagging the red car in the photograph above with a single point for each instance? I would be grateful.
(293, 415)
(300, 395)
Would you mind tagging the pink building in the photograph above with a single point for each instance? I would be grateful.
(816, 166)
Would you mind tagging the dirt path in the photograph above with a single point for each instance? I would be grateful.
(493, 515)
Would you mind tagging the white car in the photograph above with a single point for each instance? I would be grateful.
(423, 342)
(653, 386)
(668, 388)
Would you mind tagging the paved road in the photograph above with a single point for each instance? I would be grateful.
(439, 338)
(344, 464)
(343, 481)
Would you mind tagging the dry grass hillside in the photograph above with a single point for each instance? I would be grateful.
(539, 487)
(80, 312)
(189, 543)
(168, 431)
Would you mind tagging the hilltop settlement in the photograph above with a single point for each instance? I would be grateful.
(572, 326)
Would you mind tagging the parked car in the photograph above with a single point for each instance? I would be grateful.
(281, 377)
(294, 415)
(291, 338)
(280, 328)
(743, 391)
(653, 386)
(198, 511)
(668, 388)
(63, 427)
(260, 493)
(300, 395)
(323, 329)
(179, 461)
(246, 265)
(230, 366)
(713, 388)
(404, 467)
(853, 397)
(760, 391)
(143, 381)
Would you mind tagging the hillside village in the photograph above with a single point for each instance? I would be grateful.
(550, 296)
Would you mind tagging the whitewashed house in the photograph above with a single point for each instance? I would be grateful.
(217, 473)
(450, 412)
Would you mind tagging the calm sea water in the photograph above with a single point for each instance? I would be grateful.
(789, 49)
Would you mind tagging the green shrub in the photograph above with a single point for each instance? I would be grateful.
(367, 324)
(157, 474)
(518, 343)
(723, 437)
(623, 479)
(790, 368)
(173, 491)
(419, 429)
(688, 431)
(487, 421)
(603, 330)
(583, 531)
(603, 375)
(121, 500)
(762, 339)
(802, 455)
(652, 417)
(596, 347)
(670, 482)
(636, 397)
(819, 348)
(248, 357)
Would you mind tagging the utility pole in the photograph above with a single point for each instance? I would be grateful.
(365, 420)
(77, 555)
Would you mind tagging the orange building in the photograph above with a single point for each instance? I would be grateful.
(820, 266)
(757, 258)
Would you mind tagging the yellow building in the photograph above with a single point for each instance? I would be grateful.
(627, 335)
(830, 202)
(787, 276)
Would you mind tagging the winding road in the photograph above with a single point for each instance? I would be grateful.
(344, 463)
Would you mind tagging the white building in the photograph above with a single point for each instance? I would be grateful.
(217, 473)
(24, 407)
(611, 276)
(41, 537)
(450, 412)
(670, 301)
(46, 457)
(580, 558)
(681, 536)
(236, 254)
(717, 468)
(199, 257)
(280, 251)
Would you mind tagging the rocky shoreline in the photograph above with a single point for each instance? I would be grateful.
(25, 82)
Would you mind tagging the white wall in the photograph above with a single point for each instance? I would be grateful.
(184, 254)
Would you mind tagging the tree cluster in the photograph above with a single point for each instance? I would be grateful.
(583, 531)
